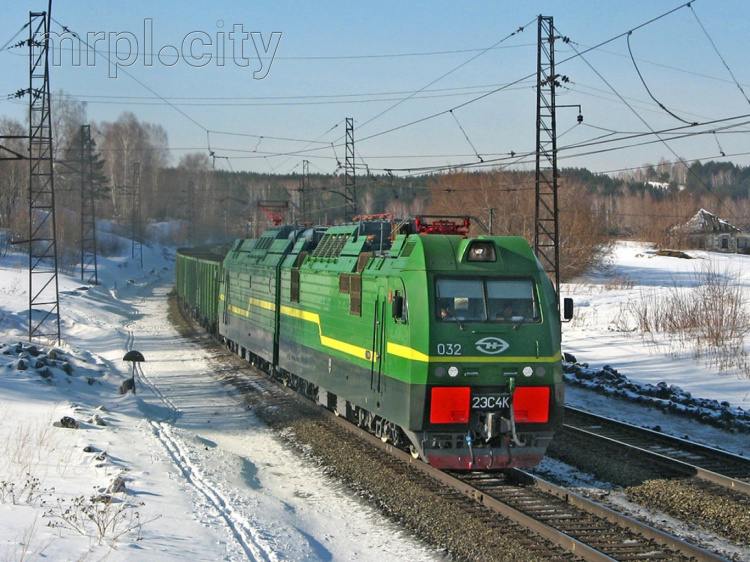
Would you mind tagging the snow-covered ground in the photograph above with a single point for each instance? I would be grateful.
(200, 477)
(603, 334)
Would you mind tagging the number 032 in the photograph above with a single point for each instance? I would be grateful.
(449, 349)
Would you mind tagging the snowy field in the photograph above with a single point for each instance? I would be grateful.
(201, 478)
(603, 333)
(193, 475)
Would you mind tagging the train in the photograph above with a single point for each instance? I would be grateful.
(441, 343)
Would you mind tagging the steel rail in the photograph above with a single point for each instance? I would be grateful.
(700, 454)
(549, 532)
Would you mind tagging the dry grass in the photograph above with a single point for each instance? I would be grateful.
(709, 319)
(104, 517)
(26, 456)
(24, 449)
(27, 546)
(619, 282)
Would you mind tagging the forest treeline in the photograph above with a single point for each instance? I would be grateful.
(188, 199)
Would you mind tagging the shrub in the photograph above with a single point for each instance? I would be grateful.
(709, 318)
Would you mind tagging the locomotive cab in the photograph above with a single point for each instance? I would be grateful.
(494, 392)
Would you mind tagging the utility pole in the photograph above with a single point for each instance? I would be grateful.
(191, 212)
(546, 238)
(89, 270)
(350, 179)
(304, 191)
(44, 298)
(136, 225)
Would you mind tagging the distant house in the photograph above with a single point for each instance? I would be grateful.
(706, 231)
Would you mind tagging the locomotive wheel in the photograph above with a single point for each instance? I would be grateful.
(413, 452)
(397, 437)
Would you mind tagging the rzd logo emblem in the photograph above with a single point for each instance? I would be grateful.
(491, 346)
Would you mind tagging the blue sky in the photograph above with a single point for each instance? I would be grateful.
(390, 64)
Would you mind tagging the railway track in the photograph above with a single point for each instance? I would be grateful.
(572, 527)
(584, 528)
(692, 459)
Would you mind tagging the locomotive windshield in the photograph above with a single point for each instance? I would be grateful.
(486, 300)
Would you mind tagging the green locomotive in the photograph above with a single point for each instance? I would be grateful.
(431, 339)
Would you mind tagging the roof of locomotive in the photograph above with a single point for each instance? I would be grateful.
(348, 247)
(438, 252)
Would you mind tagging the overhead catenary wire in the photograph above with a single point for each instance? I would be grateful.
(724, 62)
(446, 74)
(624, 33)
(681, 132)
(643, 81)
(578, 54)
(178, 99)
(509, 159)
(658, 137)
(292, 101)
(528, 76)
(624, 135)
(8, 42)
(173, 106)
(466, 136)
(640, 118)
(162, 98)
(267, 137)
(689, 72)
(169, 57)
(131, 76)
(671, 163)
(291, 153)
(332, 145)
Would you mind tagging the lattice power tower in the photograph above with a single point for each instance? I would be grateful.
(44, 299)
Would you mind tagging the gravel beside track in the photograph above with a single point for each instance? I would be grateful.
(717, 510)
(725, 513)
(459, 527)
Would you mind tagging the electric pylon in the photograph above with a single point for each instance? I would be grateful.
(304, 191)
(546, 238)
(44, 298)
(136, 224)
(191, 212)
(350, 178)
(89, 270)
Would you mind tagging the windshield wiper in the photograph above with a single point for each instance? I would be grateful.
(523, 319)
(450, 314)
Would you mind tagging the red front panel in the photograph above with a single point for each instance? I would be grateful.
(531, 404)
(450, 404)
